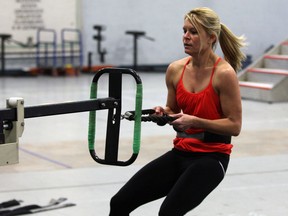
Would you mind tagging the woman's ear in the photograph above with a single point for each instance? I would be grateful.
(212, 39)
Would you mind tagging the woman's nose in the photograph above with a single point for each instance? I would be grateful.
(186, 35)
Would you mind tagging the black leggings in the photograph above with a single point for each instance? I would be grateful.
(184, 178)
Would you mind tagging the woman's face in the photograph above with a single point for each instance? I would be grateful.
(192, 39)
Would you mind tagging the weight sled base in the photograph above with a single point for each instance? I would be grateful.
(12, 119)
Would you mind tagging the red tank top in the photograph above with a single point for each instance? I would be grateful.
(204, 104)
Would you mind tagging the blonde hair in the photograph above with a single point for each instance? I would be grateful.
(207, 19)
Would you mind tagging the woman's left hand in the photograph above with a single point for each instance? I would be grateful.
(183, 121)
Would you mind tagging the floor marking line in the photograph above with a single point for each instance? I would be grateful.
(45, 158)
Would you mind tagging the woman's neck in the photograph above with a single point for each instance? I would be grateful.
(204, 60)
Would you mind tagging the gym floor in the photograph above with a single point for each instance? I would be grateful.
(55, 161)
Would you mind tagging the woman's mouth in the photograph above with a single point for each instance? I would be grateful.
(187, 46)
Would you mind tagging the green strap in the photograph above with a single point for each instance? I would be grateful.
(92, 118)
(137, 123)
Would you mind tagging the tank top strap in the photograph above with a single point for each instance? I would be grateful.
(214, 67)
(184, 68)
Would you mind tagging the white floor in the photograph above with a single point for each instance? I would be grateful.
(54, 160)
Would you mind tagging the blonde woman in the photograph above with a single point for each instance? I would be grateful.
(203, 94)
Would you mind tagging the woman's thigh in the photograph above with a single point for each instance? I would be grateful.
(199, 179)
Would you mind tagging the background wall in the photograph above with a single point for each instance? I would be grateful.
(21, 18)
(263, 22)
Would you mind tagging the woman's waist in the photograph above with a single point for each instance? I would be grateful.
(205, 136)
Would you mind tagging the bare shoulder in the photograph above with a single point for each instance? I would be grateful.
(178, 64)
(225, 69)
(225, 76)
(174, 70)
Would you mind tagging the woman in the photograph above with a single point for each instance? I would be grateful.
(203, 95)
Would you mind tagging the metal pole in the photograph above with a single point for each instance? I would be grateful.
(135, 52)
(3, 37)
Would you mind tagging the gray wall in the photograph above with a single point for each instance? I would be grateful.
(263, 22)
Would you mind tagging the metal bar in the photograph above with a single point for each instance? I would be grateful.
(70, 107)
(60, 108)
(114, 116)
(8, 114)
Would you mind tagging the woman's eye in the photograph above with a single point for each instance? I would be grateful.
(193, 32)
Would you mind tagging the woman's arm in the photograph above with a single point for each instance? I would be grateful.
(172, 77)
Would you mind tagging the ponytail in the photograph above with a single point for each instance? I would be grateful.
(230, 45)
